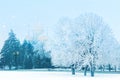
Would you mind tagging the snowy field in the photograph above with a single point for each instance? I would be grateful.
(53, 75)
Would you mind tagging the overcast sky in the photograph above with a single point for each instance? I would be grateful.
(22, 15)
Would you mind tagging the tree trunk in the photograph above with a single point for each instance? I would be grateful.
(92, 70)
(16, 61)
(73, 69)
(9, 66)
(109, 67)
(103, 68)
(85, 70)
(115, 68)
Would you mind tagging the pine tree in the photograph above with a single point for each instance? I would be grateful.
(10, 51)
(28, 56)
(22, 51)
(37, 60)
(42, 59)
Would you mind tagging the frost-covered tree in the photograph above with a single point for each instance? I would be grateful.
(60, 43)
(81, 41)
(94, 27)
(110, 51)
(98, 41)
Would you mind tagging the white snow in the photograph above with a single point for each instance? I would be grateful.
(53, 75)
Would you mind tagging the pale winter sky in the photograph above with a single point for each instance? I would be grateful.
(22, 15)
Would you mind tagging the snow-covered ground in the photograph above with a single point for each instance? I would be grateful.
(53, 75)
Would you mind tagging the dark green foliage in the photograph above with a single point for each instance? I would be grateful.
(41, 58)
(45, 62)
(10, 51)
(28, 62)
(37, 61)
(28, 55)
(17, 56)
(22, 53)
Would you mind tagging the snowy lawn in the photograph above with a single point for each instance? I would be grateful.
(53, 75)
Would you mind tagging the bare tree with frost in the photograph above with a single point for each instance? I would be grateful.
(82, 41)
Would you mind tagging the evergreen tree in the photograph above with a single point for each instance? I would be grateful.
(46, 60)
(22, 53)
(42, 59)
(10, 51)
(36, 60)
(1, 61)
(28, 55)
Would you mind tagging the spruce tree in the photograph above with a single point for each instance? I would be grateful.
(42, 59)
(28, 55)
(22, 51)
(10, 51)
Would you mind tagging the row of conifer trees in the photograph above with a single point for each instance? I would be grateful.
(15, 55)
